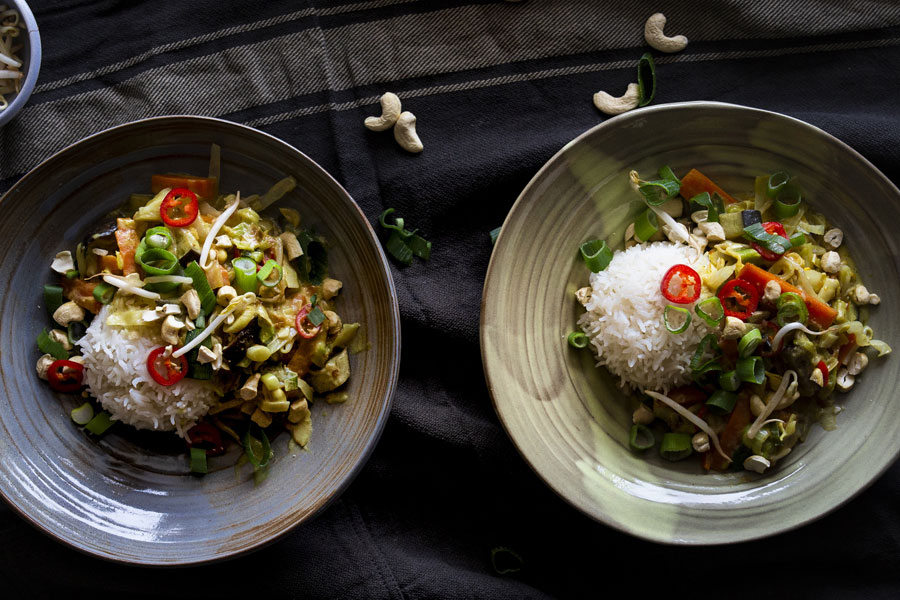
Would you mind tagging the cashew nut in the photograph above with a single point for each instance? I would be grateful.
(334, 322)
(291, 244)
(405, 132)
(58, 335)
(642, 415)
(205, 355)
(68, 313)
(844, 380)
(616, 106)
(225, 295)
(249, 389)
(833, 238)
(43, 365)
(858, 362)
(191, 301)
(584, 294)
(63, 263)
(390, 111)
(330, 288)
(170, 328)
(653, 34)
(757, 463)
(700, 442)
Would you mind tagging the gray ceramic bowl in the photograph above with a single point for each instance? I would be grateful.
(570, 421)
(31, 61)
(127, 497)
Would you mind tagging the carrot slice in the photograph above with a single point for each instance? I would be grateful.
(128, 241)
(696, 182)
(819, 313)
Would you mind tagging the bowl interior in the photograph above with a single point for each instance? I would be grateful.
(571, 421)
(129, 497)
(30, 54)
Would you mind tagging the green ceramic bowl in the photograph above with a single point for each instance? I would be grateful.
(569, 419)
(129, 497)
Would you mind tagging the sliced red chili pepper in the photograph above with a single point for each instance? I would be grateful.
(302, 322)
(204, 435)
(824, 368)
(683, 290)
(179, 208)
(775, 228)
(166, 370)
(65, 375)
(739, 298)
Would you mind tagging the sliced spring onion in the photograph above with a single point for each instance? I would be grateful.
(403, 244)
(75, 331)
(506, 560)
(495, 233)
(685, 313)
(244, 274)
(666, 172)
(773, 402)
(214, 230)
(771, 241)
(257, 449)
(710, 310)
(577, 339)
(596, 255)
(419, 246)
(791, 309)
(53, 298)
(159, 237)
(787, 201)
(722, 402)
(127, 286)
(198, 461)
(83, 414)
(100, 423)
(103, 292)
(658, 191)
(157, 261)
(675, 446)
(72, 274)
(700, 423)
(798, 239)
(776, 341)
(729, 381)
(398, 248)
(708, 344)
(640, 437)
(315, 316)
(266, 271)
(48, 345)
(751, 369)
(713, 204)
(645, 226)
(646, 73)
(749, 342)
(201, 284)
(776, 183)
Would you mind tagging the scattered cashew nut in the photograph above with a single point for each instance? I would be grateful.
(390, 112)
(616, 106)
(653, 34)
(405, 132)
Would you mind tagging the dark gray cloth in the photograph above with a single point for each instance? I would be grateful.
(498, 87)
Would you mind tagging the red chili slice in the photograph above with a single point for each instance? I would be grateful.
(739, 298)
(775, 228)
(204, 435)
(166, 370)
(302, 322)
(65, 375)
(687, 286)
(824, 368)
(179, 208)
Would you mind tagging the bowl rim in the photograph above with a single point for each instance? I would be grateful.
(394, 355)
(34, 63)
(600, 516)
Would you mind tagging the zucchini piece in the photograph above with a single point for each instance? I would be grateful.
(345, 335)
(732, 225)
(335, 372)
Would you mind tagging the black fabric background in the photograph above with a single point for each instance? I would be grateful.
(445, 485)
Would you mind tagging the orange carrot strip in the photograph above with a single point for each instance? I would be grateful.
(696, 182)
(732, 436)
(819, 313)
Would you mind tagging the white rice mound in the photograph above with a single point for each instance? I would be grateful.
(115, 373)
(624, 318)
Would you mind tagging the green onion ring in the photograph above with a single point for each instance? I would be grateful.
(577, 339)
(682, 311)
(666, 172)
(646, 73)
(83, 414)
(751, 369)
(198, 461)
(640, 437)
(266, 270)
(645, 226)
(157, 261)
(798, 239)
(675, 446)
(776, 182)
(749, 342)
(658, 191)
(247, 441)
(103, 292)
(100, 423)
(596, 255)
(722, 402)
(244, 274)
(158, 237)
(707, 343)
(787, 201)
(729, 381)
(712, 208)
(53, 298)
(716, 305)
(791, 309)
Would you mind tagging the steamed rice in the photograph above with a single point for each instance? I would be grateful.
(116, 374)
(624, 318)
